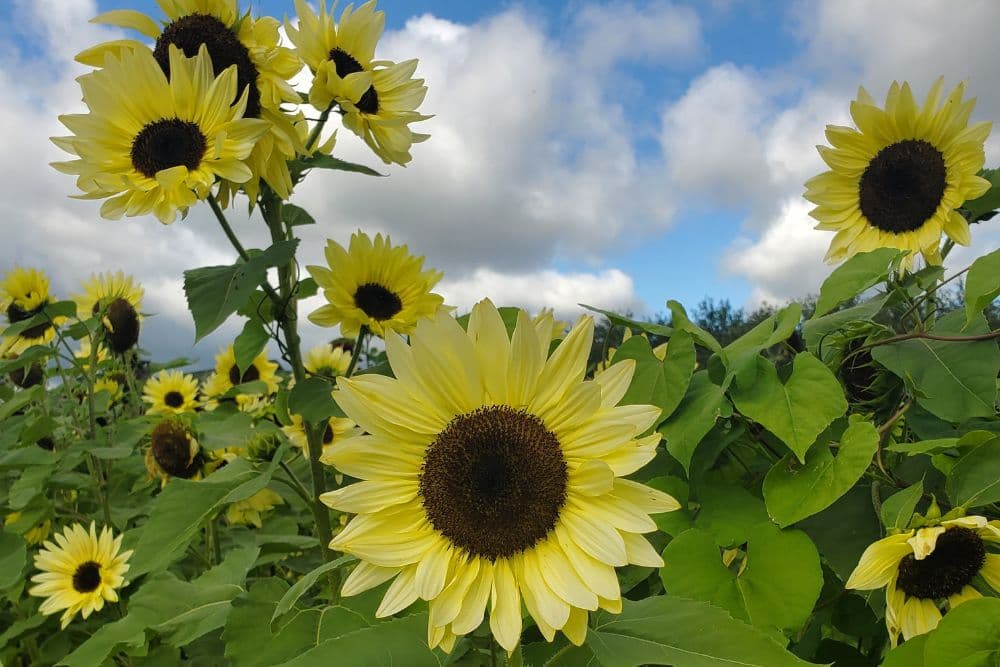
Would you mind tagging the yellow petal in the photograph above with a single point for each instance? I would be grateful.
(505, 609)
(879, 562)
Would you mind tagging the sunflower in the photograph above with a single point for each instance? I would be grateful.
(898, 179)
(156, 144)
(227, 374)
(35, 534)
(173, 452)
(263, 69)
(23, 294)
(326, 359)
(493, 469)
(927, 568)
(170, 392)
(250, 512)
(337, 429)
(111, 386)
(80, 572)
(83, 354)
(374, 285)
(116, 299)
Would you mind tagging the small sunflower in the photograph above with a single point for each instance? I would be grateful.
(23, 294)
(117, 300)
(263, 69)
(494, 470)
(111, 386)
(325, 359)
(898, 179)
(153, 144)
(929, 568)
(250, 512)
(83, 354)
(80, 572)
(34, 535)
(173, 452)
(170, 392)
(227, 374)
(337, 429)
(374, 285)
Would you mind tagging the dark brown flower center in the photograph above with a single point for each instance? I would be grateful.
(902, 186)
(251, 374)
(26, 377)
(172, 449)
(167, 143)
(346, 64)
(87, 577)
(377, 302)
(189, 32)
(174, 399)
(957, 558)
(17, 314)
(328, 434)
(124, 331)
(494, 481)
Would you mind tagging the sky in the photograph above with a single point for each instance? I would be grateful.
(617, 154)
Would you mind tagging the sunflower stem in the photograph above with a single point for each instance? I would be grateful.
(356, 353)
(93, 464)
(220, 216)
(317, 128)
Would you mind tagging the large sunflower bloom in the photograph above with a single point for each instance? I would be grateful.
(117, 299)
(263, 68)
(156, 145)
(81, 572)
(898, 179)
(926, 568)
(170, 393)
(23, 294)
(493, 471)
(374, 284)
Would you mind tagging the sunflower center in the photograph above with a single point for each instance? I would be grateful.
(17, 314)
(174, 399)
(328, 434)
(172, 449)
(167, 143)
(189, 32)
(377, 302)
(346, 64)
(124, 330)
(494, 481)
(251, 374)
(957, 558)
(902, 186)
(87, 577)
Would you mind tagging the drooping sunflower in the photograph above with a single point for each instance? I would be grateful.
(325, 359)
(929, 569)
(263, 68)
(80, 572)
(374, 284)
(153, 144)
(227, 374)
(493, 470)
(173, 452)
(33, 535)
(897, 180)
(337, 430)
(170, 392)
(250, 512)
(23, 294)
(117, 299)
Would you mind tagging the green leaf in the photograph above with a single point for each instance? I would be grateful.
(854, 276)
(13, 556)
(908, 654)
(249, 343)
(898, 508)
(741, 354)
(296, 216)
(19, 400)
(957, 380)
(798, 410)
(635, 325)
(816, 328)
(396, 641)
(777, 588)
(793, 492)
(676, 522)
(655, 382)
(322, 161)
(679, 320)
(313, 399)
(668, 630)
(975, 478)
(989, 201)
(982, 285)
(300, 587)
(728, 511)
(967, 636)
(924, 446)
(216, 292)
(694, 417)
(845, 529)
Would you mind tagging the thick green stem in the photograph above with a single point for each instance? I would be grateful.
(314, 134)
(356, 354)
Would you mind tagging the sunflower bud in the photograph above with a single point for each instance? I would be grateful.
(867, 383)
(262, 447)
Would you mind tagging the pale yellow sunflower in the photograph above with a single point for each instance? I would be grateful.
(23, 294)
(173, 452)
(374, 284)
(80, 572)
(927, 570)
(337, 429)
(170, 392)
(263, 67)
(250, 512)
(227, 373)
(495, 472)
(153, 144)
(117, 299)
(327, 359)
(897, 180)
(34, 535)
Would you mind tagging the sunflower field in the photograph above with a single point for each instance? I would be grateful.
(493, 487)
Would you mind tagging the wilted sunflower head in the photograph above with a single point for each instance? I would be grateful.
(116, 299)
(27, 376)
(898, 179)
(173, 452)
(867, 383)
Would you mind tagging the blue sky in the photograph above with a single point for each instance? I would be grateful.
(619, 154)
